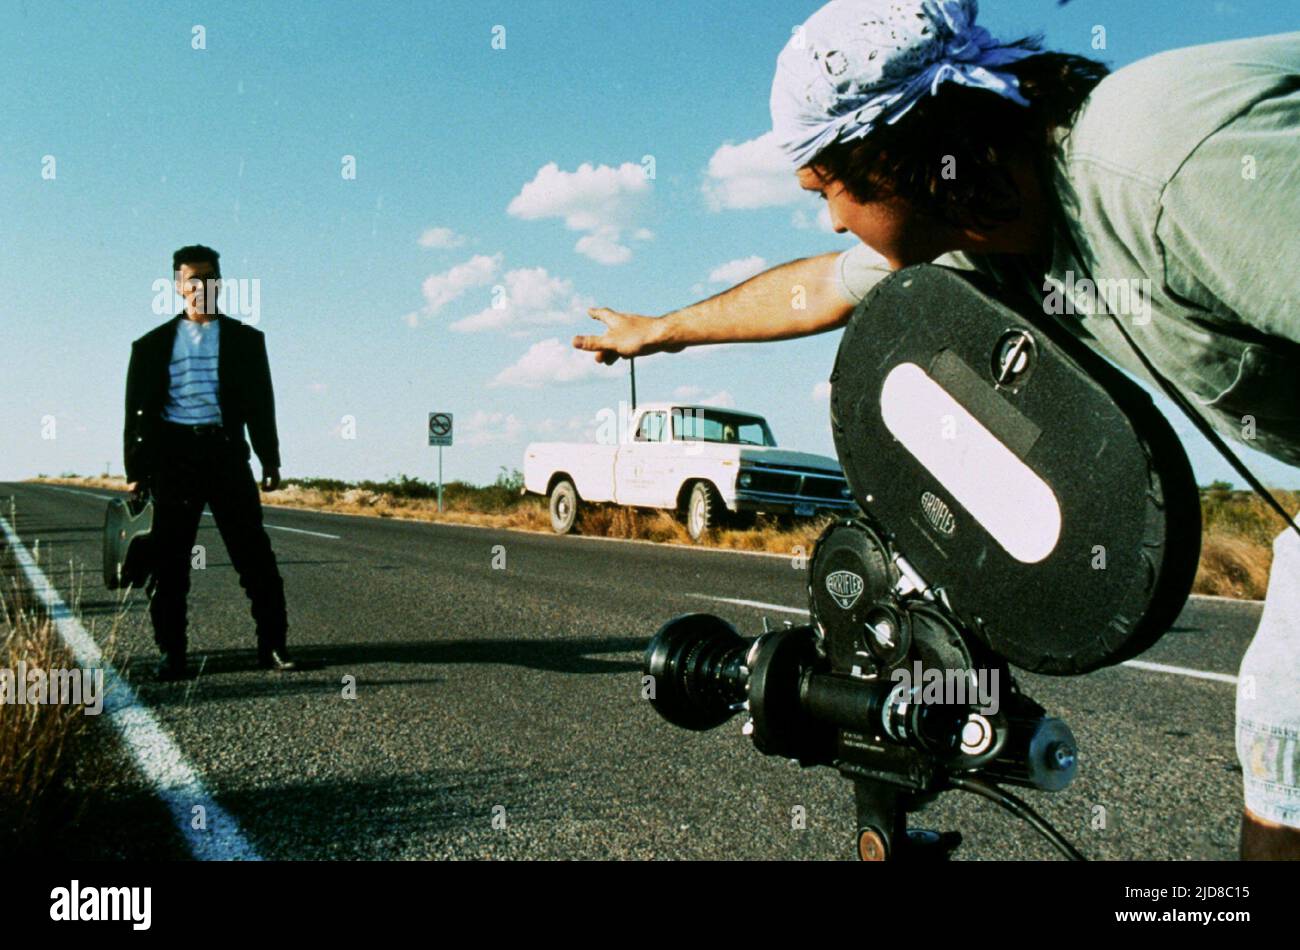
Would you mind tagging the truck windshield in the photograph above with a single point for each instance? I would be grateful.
(692, 424)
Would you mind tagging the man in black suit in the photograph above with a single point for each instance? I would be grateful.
(192, 386)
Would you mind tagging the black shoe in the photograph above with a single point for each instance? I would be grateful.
(277, 660)
(172, 667)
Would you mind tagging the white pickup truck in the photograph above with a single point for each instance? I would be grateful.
(708, 464)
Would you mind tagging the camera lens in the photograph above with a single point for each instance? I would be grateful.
(696, 663)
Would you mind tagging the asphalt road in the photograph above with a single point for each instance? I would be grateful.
(515, 693)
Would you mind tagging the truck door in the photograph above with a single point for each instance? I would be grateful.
(638, 470)
(662, 459)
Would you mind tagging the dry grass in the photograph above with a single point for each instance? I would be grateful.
(83, 481)
(1236, 550)
(39, 743)
(1237, 546)
(530, 514)
(1233, 567)
(613, 521)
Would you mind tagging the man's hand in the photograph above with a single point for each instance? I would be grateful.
(626, 335)
(270, 479)
(134, 489)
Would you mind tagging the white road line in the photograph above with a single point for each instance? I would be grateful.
(157, 756)
(757, 604)
(280, 527)
(80, 491)
(1181, 671)
(1136, 664)
(206, 514)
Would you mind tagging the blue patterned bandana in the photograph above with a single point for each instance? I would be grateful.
(858, 64)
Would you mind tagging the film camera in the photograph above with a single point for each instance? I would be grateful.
(1022, 504)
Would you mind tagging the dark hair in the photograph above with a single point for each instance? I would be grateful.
(973, 132)
(196, 254)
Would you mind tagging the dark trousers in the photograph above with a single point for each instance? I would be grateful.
(194, 468)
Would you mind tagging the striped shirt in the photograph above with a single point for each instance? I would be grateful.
(192, 395)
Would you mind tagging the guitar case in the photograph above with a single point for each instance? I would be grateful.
(1031, 485)
(128, 530)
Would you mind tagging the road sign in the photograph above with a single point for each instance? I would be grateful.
(440, 428)
(440, 435)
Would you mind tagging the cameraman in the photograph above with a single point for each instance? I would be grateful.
(930, 140)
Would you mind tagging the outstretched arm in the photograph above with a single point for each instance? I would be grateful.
(791, 300)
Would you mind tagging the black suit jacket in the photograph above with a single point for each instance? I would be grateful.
(243, 391)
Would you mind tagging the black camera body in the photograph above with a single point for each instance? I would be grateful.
(1022, 504)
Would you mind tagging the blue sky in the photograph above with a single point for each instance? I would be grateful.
(376, 291)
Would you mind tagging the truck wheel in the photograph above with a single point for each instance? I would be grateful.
(564, 506)
(704, 510)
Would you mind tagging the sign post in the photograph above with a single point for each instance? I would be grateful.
(440, 434)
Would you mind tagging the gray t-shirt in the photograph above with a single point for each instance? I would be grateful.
(1179, 192)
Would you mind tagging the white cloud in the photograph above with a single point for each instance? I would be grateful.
(487, 428)
(533, 289)
(753, 174)
(822, 391)
(586, 199)
(532, 298)
(720, 398)
(602, 247)
(733, 272)
(441, 289)
(441, 238)
(600, 200)
(549, 362)
(687, 392)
